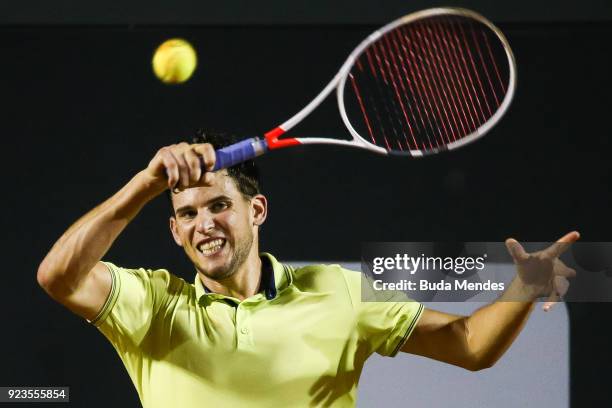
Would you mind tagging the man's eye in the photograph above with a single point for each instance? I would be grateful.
(188, 214)
(219, 206)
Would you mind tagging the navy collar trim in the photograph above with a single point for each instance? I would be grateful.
(267, 283)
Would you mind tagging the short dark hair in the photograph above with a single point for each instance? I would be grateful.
(245, 174)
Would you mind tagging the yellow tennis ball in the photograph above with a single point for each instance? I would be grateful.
(174, 61)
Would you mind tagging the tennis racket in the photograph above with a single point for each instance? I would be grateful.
(428, 82)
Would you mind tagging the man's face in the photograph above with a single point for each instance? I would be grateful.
(216, 225)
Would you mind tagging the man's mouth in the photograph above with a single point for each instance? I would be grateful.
(211, 247)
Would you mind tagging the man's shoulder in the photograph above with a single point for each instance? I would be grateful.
(321, 277)
(156, 278)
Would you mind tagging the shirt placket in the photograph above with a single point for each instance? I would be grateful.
(244, 320)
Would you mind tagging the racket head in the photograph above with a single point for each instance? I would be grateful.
(430, 81)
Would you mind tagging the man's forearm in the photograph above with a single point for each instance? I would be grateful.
(87, 240)
(492, 328)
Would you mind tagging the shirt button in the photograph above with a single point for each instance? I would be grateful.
(244, 330)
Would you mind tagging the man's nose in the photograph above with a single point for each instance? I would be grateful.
(205, 224)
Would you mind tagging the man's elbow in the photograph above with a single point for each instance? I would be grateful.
(51, 281)
(478, 357)
(479, 363)
(44, 276)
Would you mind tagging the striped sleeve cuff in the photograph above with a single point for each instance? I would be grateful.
(112, 296)
(408, 331)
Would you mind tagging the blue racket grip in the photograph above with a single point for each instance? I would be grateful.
(239, 152)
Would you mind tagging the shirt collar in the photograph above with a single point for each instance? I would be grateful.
(274, 278)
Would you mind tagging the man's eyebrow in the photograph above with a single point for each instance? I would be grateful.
(183, 208)
(221, 197)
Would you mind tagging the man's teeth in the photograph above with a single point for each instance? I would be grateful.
(211, 247)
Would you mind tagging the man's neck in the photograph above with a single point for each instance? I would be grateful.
(240, 285)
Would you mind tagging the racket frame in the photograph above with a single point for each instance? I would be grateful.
(339, 81)
(253, 147)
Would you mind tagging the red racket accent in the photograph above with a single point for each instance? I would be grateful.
(273, 142)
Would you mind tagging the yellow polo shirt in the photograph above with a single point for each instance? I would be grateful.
(301, 342)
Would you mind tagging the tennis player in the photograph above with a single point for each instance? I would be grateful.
(251, 331)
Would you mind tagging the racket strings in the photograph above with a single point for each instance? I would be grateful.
(402, 72)
(427, 84)
(415, 80)
(455, 81)
(421, 50)
(393, 76)
(423, 66)
(390, 108)
(373, 107)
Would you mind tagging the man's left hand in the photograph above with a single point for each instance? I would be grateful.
(542, 273)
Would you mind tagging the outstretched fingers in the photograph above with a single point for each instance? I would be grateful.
(516, 250)
(562, 244)
(563, 270)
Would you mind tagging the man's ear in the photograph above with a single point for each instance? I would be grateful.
(174, 230)
(259, 205)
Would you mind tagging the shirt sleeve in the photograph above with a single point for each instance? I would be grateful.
(385, 319)
(135, 298)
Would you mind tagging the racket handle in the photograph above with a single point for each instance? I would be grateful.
(239, 152)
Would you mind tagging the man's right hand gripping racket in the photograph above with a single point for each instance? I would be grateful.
(428, 82)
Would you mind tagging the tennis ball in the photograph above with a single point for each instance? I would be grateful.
(174, 61)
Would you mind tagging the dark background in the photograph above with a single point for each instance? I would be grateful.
(82, 113)
(286, 12)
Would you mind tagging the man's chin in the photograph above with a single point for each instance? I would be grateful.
(217, 273)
